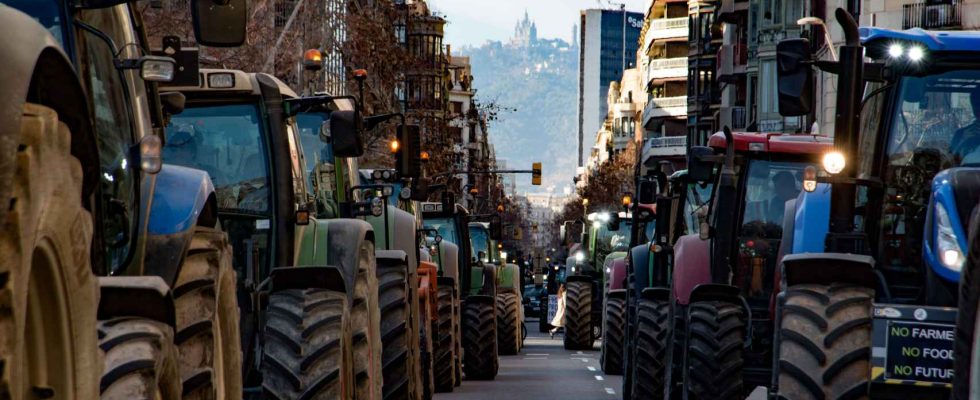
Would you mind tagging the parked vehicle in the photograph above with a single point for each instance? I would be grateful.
(300, 265)
(534, 297)
(80, 170)
(891, 256)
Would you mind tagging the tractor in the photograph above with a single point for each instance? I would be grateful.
(585, 285)
(510, 312)
(898, 191)
(473, 295)
(306, 276)
(106, 247)
(721, 280)
(678, 208)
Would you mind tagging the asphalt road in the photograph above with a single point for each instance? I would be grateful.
(544, 370)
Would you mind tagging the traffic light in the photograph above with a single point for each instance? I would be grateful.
(408, 160)
(536, 174)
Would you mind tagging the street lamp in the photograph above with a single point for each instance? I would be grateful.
(826, 32)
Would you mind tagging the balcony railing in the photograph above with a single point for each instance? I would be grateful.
(669, 23)
(667, 102)
(945, 15)
(664, 146)
(667, 68)
(667, 141)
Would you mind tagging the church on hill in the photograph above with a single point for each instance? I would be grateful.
(525, 33)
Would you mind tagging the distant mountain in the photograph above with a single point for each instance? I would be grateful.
(538, 78)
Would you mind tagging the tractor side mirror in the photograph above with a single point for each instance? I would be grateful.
(647, 192)
(219, 23)
(343, 133)
(699, 169)
(794, 77)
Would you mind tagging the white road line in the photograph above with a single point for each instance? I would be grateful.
(585, 360)
(591, 369)
(536, 354)
(579, 352)
(599, 378)
(610, 391)
(535, 358)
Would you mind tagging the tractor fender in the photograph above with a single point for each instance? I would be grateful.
(449, 257)
(335, 242)
(692, 266)
(946, 185)
(36, 69)
(446, 281)
(136, 296)
(811, 221)
(617, 274)
(827, 268)
(488, 286)
(716, 291)
(508, 277)
(579, 278)
(311, 277)
(640, 263)
(179, 199)
(401, 227)
(617, 294)
(656, 293)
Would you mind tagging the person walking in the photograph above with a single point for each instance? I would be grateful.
(558, 322)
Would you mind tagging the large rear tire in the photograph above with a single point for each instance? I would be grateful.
(366, 327)
(966, 370)
(307, 352)
(48, 293)
(140, 360)
(578, 316)
(508, 323)
(825, 342)
(395, 339)
(207, 338)
(716, 336)
(445, 346)
(427, 340)
(650, 349)
(479, 340)
(611, 356)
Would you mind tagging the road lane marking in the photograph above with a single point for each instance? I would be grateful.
(599, 378)
(610, 391)
(579, 352)
(536, 354)
(535, 358)
(591, 369)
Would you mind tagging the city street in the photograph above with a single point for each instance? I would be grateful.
(543, 370)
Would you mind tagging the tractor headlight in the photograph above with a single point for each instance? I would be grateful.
(947, 246)
(833, 162)
(377, 207)
(580, 256)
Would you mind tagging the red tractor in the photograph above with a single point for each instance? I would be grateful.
(719, 342)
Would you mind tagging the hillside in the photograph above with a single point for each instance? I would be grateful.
(539, 80)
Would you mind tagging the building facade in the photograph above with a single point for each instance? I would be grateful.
(608, 41)
(663, 64)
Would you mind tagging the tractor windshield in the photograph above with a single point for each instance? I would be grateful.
(481, 243)
(934, 124)
(446, 228)
(767, 187)
(696, 202)
(228, 142)
(319, 156)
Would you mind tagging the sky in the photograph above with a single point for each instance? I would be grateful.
(472, 22)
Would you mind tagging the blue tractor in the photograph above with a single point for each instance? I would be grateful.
(105, 248)
(875, 245)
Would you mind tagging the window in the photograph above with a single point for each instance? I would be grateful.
(229, 143)
(114, 135)
(457, 107)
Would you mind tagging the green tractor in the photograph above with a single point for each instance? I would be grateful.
(85, 195)
(510, 311)
(306, 277)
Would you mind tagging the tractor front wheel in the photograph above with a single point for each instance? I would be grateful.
(479, 340)
(48, 293)
(140, 360)
(611, 356)
(825, 341)
(713, 363)
(508, 323)
(578, 316)
(307, 352)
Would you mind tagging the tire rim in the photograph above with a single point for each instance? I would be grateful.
(48, 354)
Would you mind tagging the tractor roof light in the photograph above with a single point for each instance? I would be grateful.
(627, 200)
(377, 207)
(221, 80)
(916, 53)
(834, 162)
(895, 50)
(312, 60)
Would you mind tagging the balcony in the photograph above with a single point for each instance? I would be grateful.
(944, 15)
(668, 146)
(667, 68)
(661, 107)
(730, 7)
(664, 28)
